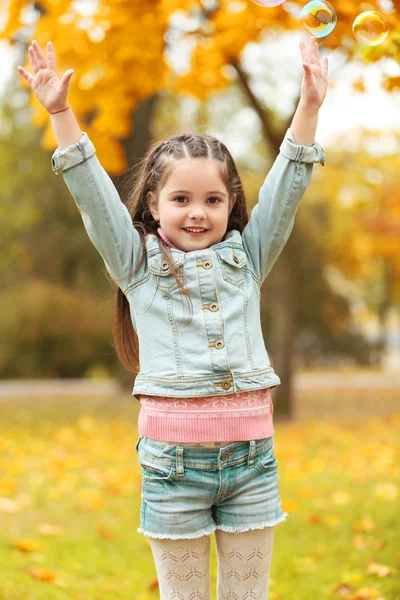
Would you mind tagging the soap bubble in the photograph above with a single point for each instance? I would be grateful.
(318, 18)
(370, 28)
(268, 3)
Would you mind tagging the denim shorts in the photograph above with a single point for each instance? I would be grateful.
(189, 492)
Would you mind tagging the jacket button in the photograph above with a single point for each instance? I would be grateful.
(207, 264)
(219, 344)
(226, 384)
(213, 307)
(235, 258)
(164, 266)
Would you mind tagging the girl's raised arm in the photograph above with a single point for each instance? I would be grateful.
(105, 217)
(272, 219)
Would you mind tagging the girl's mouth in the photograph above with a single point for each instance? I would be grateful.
(195, 233)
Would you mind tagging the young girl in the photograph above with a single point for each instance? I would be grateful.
(206, 437)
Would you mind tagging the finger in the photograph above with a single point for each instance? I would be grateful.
(308, 77)
(317, 51)
(325, 65)
(25, 74)
(39, 55)
(312, 52)
(51, 57)
(304, 53)
(34, 61)
(66, 78)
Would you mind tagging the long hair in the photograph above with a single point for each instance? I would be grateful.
(151, 175)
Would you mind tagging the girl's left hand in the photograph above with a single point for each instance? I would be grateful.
(315, 80)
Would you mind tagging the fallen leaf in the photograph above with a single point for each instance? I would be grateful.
(343, 590)
(380, 570)
(365, 524)
(105, 532)
(153, 585)
(342, 498)
(27, 545)
(366, 593)
(41, 574)
(386, 491)
(47, 529)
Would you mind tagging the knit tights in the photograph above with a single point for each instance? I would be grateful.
(244, 559)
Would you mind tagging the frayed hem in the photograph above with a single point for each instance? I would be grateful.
(272, 523)
(166, 536)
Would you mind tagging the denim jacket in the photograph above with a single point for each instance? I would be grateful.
(221, 349)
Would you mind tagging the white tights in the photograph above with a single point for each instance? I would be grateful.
(244, 559)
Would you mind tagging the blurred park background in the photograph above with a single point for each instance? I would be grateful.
(330, 307)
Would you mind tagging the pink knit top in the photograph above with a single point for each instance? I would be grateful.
(208, 420)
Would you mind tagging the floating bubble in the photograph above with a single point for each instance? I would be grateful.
(370, 28)
(268, 3)
(318, 18)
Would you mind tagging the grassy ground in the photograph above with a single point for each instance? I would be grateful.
(70, 500)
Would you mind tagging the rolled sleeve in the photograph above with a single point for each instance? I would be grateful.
(72, 155)
(300, 152)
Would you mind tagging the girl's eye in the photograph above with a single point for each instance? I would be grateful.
(211, 198)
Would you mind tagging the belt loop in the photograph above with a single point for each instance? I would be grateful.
(250, 460)
(138, 442)
(179, 462)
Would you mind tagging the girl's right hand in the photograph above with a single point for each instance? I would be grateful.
(50, 91)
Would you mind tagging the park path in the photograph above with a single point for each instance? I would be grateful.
(302, 381)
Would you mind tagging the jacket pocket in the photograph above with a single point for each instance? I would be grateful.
(161, 272)
(233, 262)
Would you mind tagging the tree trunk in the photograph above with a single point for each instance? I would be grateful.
(280, 328)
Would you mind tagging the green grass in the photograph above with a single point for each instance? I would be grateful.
(71, 463)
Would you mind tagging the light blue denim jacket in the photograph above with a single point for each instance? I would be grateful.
(221, 349)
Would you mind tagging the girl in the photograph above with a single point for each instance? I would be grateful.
(206, 437)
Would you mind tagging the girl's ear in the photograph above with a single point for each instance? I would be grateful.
(152, 204)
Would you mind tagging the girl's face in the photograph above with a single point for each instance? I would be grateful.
(193, 196)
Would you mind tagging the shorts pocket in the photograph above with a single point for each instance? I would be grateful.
(156, 472)
(266, 461)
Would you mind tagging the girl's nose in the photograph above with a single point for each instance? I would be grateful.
(197, 213)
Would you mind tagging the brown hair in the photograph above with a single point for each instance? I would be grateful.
(152, 172)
